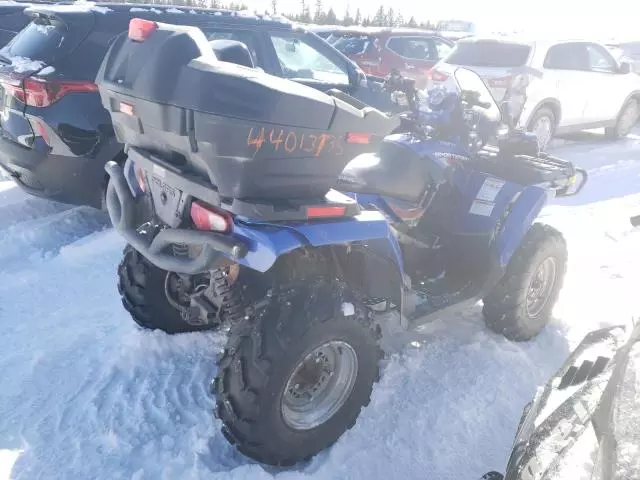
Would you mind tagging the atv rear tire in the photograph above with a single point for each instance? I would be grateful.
(521, 304)
(142, 290)
(299, 349)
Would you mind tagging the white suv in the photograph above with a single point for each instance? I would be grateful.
(572, 85)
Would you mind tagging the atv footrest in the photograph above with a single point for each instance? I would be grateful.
(213, 248)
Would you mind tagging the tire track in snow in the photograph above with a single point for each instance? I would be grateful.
(30, 209)
(47, 234)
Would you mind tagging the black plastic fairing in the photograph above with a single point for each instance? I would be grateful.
(251, 135)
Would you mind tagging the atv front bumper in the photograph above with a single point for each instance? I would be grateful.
(154, 245)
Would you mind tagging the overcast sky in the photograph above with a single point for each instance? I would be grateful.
(573, 17)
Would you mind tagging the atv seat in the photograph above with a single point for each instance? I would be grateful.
(384, 124)
(232, 51)
(396, 171)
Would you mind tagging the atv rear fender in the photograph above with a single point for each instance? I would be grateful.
(369, 255)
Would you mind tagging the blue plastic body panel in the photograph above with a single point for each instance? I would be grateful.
(267, 241)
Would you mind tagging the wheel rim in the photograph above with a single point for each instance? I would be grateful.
(320, 385)
(541, 286)
(628, 118)
(542, 128)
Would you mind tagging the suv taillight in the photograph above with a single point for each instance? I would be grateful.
(500, 82)
(42, 93)
(437, 75)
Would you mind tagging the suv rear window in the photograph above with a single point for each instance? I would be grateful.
(353, 44)
(489, 54)
(46, 40)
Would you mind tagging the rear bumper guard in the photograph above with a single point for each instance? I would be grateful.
(214, 248)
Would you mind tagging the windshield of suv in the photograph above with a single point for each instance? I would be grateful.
(489, 54)
(299, 60)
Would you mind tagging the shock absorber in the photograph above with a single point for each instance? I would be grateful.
(231, 306)
(180, 249)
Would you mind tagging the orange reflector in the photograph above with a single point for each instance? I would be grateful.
(140, 29)
(360, 138)
(321, 212)
(127, 109)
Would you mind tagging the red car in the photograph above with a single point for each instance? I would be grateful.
(378, 51)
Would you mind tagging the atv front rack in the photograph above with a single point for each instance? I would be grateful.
(570, 173)
(546, 170)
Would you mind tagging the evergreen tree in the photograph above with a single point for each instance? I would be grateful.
(274, 6)
(347, 20)
(379, 18)
(319, 15)
(358, 19)
(412, 22)
(331, 17)
(391, 18)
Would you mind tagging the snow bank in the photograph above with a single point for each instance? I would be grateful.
(85, 394)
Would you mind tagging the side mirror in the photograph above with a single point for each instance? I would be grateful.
(358, 78)
(625, 67)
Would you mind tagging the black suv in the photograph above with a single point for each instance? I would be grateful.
(55, 136)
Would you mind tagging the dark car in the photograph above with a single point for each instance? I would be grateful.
(55, 136)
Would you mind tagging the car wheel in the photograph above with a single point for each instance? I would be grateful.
(543, 124)
(626, 120)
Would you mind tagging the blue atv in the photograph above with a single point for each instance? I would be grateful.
(244, 209)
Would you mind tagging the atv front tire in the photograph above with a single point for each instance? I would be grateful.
(521, 304)
(294, 378)
(142, 289)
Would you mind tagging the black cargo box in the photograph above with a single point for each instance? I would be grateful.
(253, 135)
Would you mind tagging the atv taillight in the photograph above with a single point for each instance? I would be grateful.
(325, 212)
(43, 93)
(140, 29)
(141, 178)
(207, 218)
(127, 109)
(359, 138)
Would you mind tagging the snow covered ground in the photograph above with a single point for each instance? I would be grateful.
(86, 395)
